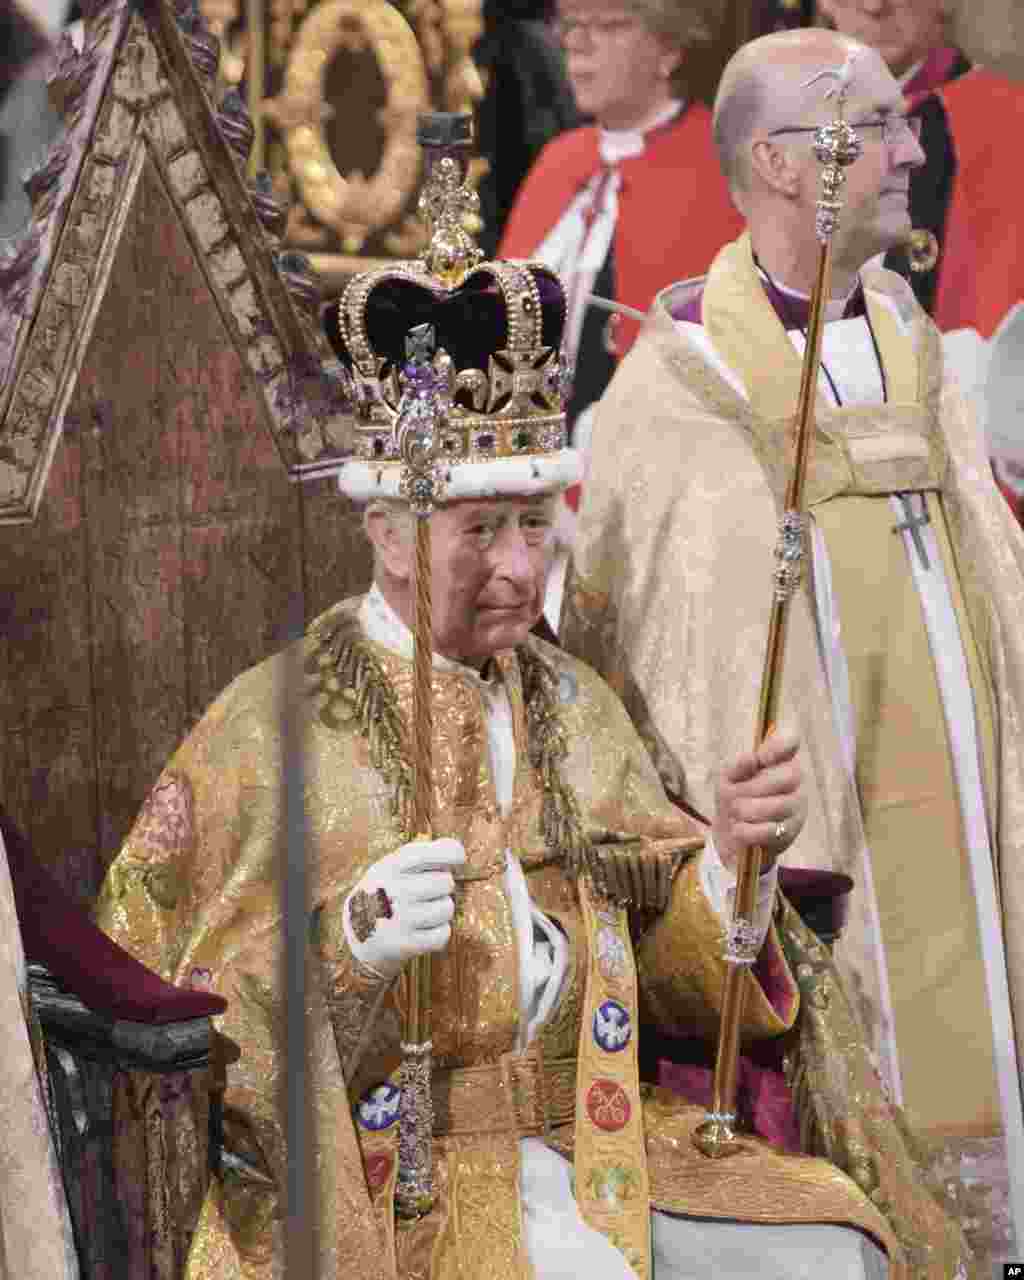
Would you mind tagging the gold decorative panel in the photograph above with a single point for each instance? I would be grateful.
(334, 89)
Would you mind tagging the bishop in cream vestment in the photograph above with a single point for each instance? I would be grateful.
(905, 667)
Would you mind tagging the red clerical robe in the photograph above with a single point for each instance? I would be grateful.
(964, 194)
(675, 211)
(981, 272)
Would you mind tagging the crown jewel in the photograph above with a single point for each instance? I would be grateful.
(463, 351)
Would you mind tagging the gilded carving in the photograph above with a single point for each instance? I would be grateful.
(145, 107)
(352, 204)
(422, 50)
(464, 26)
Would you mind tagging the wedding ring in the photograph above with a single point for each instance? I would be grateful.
(365, 909)
(780, 832)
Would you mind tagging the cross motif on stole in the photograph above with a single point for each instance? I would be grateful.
(913, 523)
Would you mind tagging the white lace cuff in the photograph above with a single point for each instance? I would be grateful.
(719, 885)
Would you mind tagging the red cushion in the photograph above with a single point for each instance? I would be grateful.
(61, 935)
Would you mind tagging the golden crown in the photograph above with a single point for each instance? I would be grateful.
(468, 352)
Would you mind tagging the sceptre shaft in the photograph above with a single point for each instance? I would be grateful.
(837, 146)
(428, 380)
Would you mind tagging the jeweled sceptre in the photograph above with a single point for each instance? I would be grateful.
(427, 381)
(836, 146)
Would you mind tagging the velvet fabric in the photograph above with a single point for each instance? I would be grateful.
(59, 934)
(470, 322)
(764, 1101)
(820, 898)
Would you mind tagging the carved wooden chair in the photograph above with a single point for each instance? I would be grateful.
(128, 1073)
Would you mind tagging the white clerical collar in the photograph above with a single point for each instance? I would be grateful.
(621, 144)
(383, 626)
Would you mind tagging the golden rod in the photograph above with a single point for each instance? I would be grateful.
(837, 146)
(418, 1022)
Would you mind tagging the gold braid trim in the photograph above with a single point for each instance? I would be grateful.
(630, 873)
(354, 690)
(561, 822)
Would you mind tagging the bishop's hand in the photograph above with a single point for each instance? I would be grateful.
(403, 905)
(761, 800)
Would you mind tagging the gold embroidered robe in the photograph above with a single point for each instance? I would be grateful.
(680, 634)
(193, 893)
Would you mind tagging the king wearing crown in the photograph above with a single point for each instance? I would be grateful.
(501, 896)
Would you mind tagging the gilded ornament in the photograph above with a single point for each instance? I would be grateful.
(365, 909)
(352, 204)
(743, 942)
(922, 250)
(463, 25)
(413, 1193)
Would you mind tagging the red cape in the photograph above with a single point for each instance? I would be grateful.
(981, 274)
(675, 212)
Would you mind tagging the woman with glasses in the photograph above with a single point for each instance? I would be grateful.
(623, 206)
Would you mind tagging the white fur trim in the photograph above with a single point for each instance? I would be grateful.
(502, 478)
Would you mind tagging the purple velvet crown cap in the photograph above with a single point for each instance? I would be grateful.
(470, 322)
(455, 366)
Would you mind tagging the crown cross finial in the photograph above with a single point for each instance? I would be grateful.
(447, 201)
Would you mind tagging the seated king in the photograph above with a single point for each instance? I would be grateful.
(556, 902)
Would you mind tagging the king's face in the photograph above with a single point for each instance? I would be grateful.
(490, 560)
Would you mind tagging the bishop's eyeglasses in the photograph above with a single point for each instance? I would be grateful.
(890, 130)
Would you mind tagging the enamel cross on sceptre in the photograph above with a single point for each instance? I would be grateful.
(836, 146)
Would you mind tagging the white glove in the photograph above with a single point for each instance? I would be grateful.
(419, 890)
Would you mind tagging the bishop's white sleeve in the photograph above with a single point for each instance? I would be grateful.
(719, 885)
